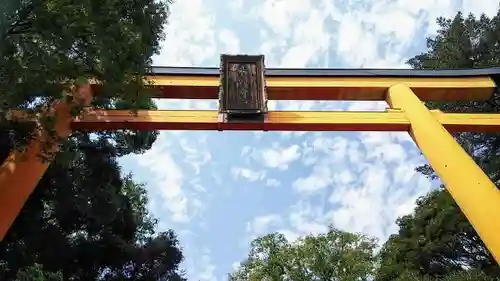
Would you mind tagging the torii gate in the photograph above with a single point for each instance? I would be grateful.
(243, 86)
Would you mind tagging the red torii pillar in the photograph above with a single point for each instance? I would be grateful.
(21, 171)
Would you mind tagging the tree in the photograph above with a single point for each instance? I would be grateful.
(111, 41)
(471, 275)
(86, 221)
(335, 255)
(467, 43)
(35, 273)
(434, 241)
(437, 239)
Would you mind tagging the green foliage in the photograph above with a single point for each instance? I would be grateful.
(110, 40)
(336, 255)
(48, 44)
(36, 273)
(86, 221)
(469, 275)
(437, 241)
(467, 43)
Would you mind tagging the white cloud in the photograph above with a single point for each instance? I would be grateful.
(309, 38)
(388, 152)
(300, 23)
(235, 266)
(369, 28)
(344, 177)
(245, 150)
(273, 182)
(290, 235)
(278, 157)
(355, 152)
(304, 219)
(404, 172)
(376, 199)
(279, 15)
(406, 20)
(190, 35)
(168, 179)
(334, 147)
(199, 261)
(248, 174)
(327, 156)
(489, 7)
(320, 178)
(262, 224)
(208, 269)
(196, 153)
(366, 195)
(355, 38)
(367, 106)
(230, 42)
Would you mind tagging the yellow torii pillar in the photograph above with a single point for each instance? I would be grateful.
(476, 195)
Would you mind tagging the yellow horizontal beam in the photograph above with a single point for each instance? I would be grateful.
(332, 88)
(211, 120)
(468, 122)
(392, 120)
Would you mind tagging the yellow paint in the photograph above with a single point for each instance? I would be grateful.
(336, 117)
(178, 116)
(474, 122)
(472, 119)
(382, 82)
(178, 80)
(357, 88)
(358, 82)
(273, 116)
(471, 188)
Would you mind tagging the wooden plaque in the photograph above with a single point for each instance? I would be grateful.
(242, 85)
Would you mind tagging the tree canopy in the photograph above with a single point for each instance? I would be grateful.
(46, 45)
(86, 220)
(437, 241)
(469, 42)
(336, 255)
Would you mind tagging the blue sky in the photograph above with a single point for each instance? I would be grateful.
(219, 190)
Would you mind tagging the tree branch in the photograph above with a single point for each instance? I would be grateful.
(22, 21)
